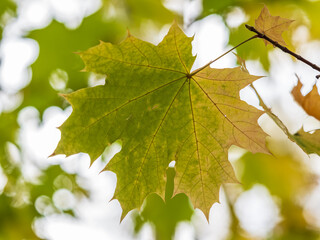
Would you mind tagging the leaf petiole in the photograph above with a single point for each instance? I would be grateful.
(203, 67)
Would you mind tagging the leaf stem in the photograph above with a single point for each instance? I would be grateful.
(203, 67)
(279, 123)
(284, 49)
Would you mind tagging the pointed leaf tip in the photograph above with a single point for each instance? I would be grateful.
(65, 96)
(128, 32)
(52, 155)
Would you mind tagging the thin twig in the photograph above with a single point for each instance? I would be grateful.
(200, 69)
(284, 49)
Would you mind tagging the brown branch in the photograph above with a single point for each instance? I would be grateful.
(284, 49)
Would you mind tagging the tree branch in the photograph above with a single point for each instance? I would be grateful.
(284, 49)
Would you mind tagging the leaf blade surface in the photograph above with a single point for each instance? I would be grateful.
(162, 112)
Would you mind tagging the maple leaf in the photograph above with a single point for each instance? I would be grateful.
(310, 103)
(309, 142)
(162, 112)
(272, 26)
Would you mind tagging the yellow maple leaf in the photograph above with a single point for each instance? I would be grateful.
(272, 26)
(310, 103)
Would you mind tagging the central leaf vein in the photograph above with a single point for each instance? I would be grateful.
(197, 144)
(134, 64)
(154, 136)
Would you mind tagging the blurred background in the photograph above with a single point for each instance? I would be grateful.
(62, 198)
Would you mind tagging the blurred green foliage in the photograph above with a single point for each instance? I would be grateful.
(8, 129)
(287, 180)
(7, 11)
(58, 46)
(15, 223)
(18, 202)
(8, 126)
(137, 11)
(283, 176)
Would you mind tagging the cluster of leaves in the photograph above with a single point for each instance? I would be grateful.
(7, 11)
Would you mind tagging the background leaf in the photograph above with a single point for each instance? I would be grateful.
(309, 142)
(272, 26)
(310, 103)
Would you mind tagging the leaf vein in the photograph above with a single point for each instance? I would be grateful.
(197, 144)
(176, 45)
(134, 64)
(226, 117)
(123, 105)
(155, 134)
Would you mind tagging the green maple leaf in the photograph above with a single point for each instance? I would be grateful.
(162, 112)
(309, 142)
